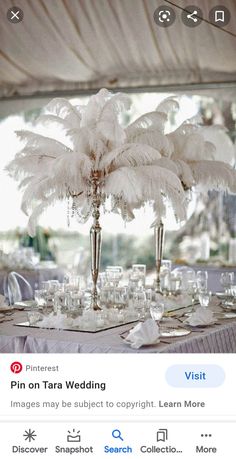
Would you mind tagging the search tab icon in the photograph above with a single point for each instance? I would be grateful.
(117, 434)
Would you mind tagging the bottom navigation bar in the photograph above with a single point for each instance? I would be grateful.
(137, 439)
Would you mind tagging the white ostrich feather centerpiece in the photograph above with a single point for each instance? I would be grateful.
(135, 164)
(125, 160)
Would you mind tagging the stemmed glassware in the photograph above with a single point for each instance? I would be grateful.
(139, 271)
(202, 281)
(157, 308)
(114, 274)
(227, 280)
(192, 290)
(139, 302)
(204, 299)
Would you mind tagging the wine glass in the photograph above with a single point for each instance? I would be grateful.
(202, 281)
(204, 299)
(114, 275)
(140, 271)
(227, 280)
(139, 302)
(192, 289)
(157, 310)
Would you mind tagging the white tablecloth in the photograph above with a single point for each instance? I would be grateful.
(220, 338)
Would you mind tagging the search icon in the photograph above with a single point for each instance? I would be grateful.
(117, 434)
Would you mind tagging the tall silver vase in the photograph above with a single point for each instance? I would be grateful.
(159, 242)
(95, 238)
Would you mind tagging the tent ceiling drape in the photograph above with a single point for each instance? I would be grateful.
(82, 44)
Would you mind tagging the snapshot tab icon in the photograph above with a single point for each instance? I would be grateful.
(164, 16)
(192, 16)
(74, 436)
(220, 16)
(15, 15)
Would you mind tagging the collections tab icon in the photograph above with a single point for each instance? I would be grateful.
(162, 435)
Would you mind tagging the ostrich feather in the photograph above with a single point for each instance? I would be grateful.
(36, 156)
(191, 147)
(49, 120)
(163, 182)
(42, 144)
(133, 154)
(102, 114)
(107, 123)
(36, 190)
(93, 109)
(147, 183)
(224, 148)
(180, 168)
(153, 138)
(81, 139)
(152, 119)
(185, 173)
(186, 128)
(196, 148)
(38, 210)
(168, 105)
(24, 165)
(62, 108)
(213, 175)
(168, 164)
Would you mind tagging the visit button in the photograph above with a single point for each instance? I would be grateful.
(195, 376)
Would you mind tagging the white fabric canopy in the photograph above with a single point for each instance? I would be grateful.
(80, 44)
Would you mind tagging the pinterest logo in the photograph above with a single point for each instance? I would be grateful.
(16, 367)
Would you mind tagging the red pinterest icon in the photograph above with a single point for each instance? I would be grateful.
(16, 367)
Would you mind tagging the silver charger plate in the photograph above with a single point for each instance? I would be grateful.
(164, 333)
(225, 315)
(25, 304)
(174, 332)
(229, 306)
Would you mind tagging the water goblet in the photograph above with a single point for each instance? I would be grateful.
(202, 281)
(157, 310)
(192, 290)
(114, 275)
(227, 280)
(204, 299)
(140, 270)
(139, 302)
(40, 298)
(120, 297)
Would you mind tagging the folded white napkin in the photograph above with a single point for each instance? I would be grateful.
(202, 316)
(143, 333)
